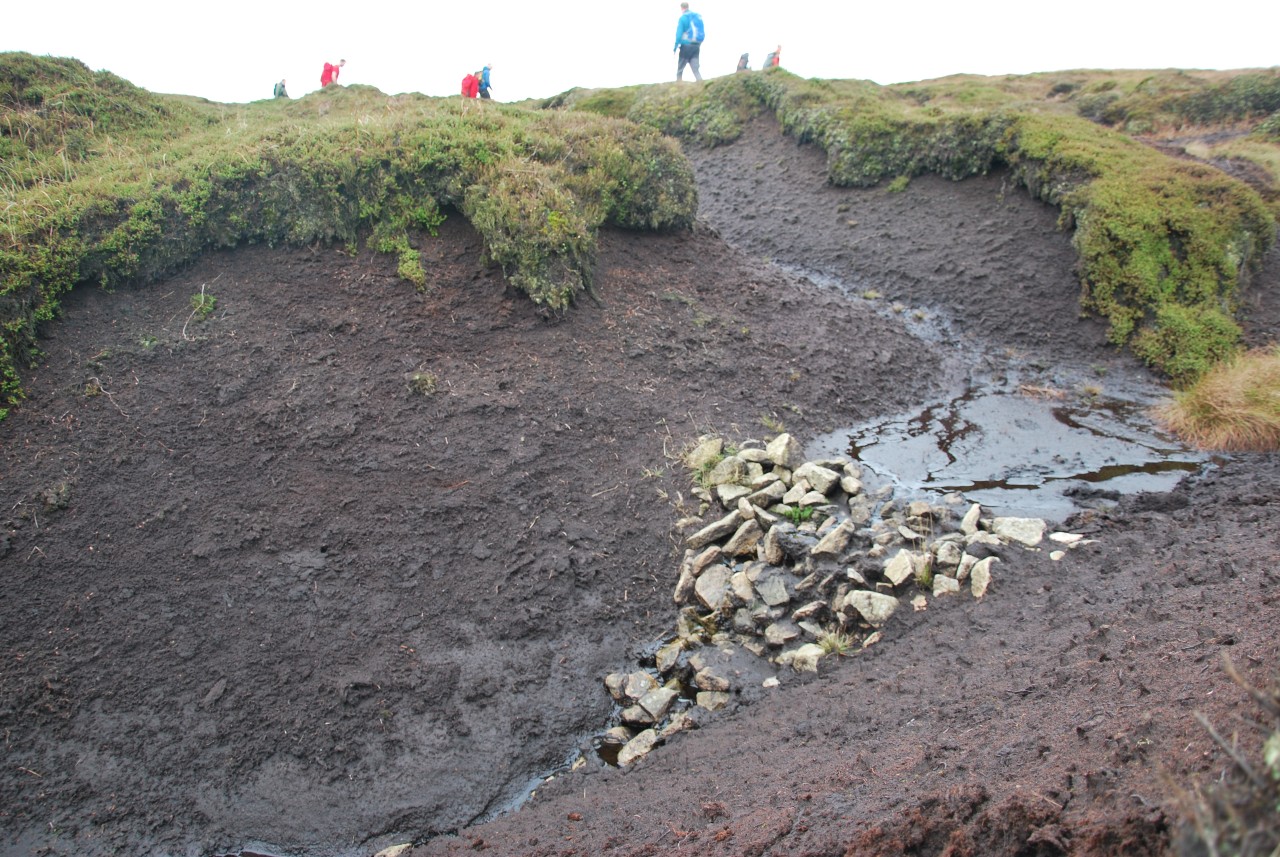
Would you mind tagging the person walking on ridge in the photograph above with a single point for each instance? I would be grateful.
(279, 91)
(484, 80)
(330, 73)
(689, 36)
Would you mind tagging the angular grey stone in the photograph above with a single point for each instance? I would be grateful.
(637, 684)
(819, 478)
(708, 449)
(943, 585)
(616, 684)
(658, 701)
(712, 700)
(780, 633)
(637, 748)
(969, 523)
(743, 542)
(874, 607)
(803, 658)
(768, 495)
(731, 470)
(728, 495)
(1026, 531)
(715, 531)
(835, 541)
(707, 679)
(712, 586)
(900, 569)
(980, 577)
(785, 451)
(773, 590)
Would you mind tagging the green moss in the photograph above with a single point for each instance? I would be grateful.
(1162, 242)
(342, 165)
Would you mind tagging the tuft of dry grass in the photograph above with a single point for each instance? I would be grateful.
(1235, 407)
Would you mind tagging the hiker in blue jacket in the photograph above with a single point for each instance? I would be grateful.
(484, 80)
(689, 35)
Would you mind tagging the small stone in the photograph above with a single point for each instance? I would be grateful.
(744, 540)
(808, 611)
(712, 700)
(780, 633)
(658, 701)
(637, 748)
(1026, 531)
(980, 576)
(668, 656)
(637, 685)
(872, 639)
(1067, 539)
(909, 534)
(874, 607)
(680, 722)
(820, 478)
(772, 590)
(919, 509)
(851, 485)
(919, 602)
(706, 679)
(803, 659)
(715, 531)
(712, 587)
(944, 585)
(770, 682)
(969, 523)
(835, 542)
(899, 569)
(785, 451)
(1057, 555)
(616, 683)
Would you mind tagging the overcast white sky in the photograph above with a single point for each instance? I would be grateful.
(234, 50)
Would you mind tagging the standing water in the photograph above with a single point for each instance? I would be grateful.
(1019, 450)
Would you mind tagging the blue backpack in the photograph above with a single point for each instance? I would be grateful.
(696, 30)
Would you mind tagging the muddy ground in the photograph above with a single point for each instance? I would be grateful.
(263, 594)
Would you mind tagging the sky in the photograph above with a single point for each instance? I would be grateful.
(234, 51)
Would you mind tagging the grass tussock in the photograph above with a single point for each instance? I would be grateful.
(1235, 407)
(105, 183)
(1163, 242)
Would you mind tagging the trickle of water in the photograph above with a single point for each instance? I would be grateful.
(1020, 451)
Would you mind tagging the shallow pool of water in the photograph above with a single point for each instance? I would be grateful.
(1019, 449)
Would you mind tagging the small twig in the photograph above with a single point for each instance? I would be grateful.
(1261, 698)
(1235, 754)
(104, 391)
(31, 772)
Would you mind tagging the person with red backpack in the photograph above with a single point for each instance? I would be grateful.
(330, 73)
(471, 85)
(689, 36)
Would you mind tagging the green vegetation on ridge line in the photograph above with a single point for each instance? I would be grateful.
(105, 183)
(1163, 242)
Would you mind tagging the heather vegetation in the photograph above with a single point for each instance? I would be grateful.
(105, 183)
(1163, 242)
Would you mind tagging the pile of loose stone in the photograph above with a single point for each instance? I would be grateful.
(804, 564)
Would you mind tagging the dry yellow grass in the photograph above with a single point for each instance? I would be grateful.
(1235, 407)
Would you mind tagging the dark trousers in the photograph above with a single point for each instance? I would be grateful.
(689, 57)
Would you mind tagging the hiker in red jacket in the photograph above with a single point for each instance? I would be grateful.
(471, 85)
(330, 73)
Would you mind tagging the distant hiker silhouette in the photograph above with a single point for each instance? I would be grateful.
(772, 60)
(689, 36)
(279, 91)
(330, 73)
(744, 63)
(484, 80)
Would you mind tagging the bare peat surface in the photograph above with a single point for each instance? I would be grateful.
(343, 565)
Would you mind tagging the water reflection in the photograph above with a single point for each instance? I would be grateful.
(1019, 450)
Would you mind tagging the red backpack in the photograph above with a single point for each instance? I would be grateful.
(470, 86)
